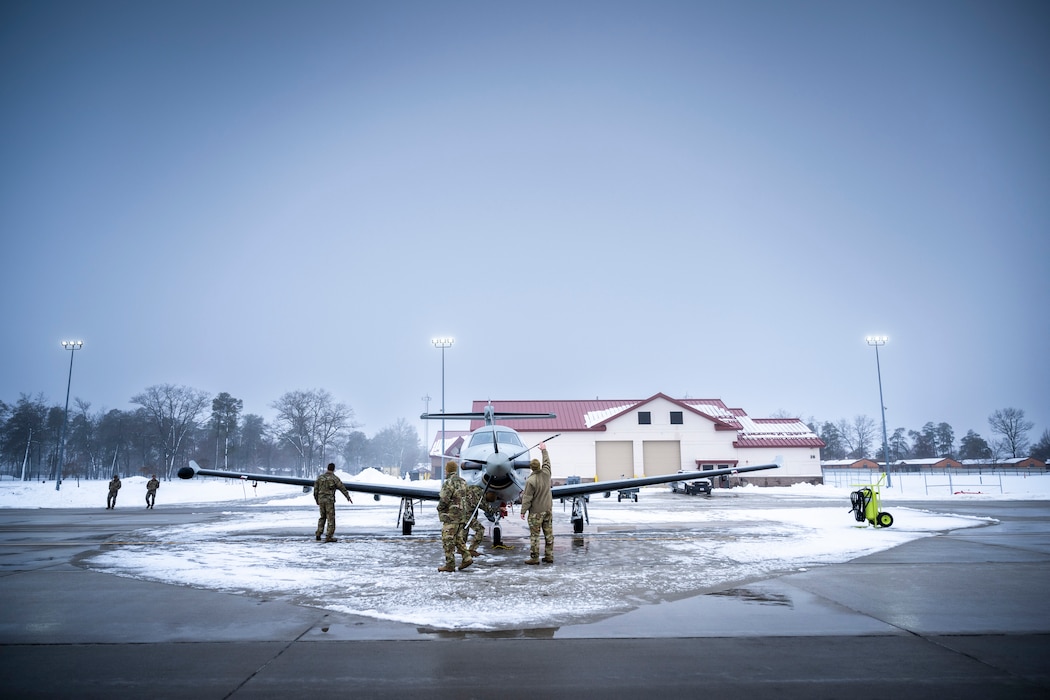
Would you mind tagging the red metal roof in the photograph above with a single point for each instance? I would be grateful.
(777, 441)
(573, 415)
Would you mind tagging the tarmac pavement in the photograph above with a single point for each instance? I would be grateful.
(962, 614)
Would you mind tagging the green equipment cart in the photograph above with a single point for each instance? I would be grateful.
(867, 505)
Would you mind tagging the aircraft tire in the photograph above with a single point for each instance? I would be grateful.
(497, 537)
(577, 525)
(406, 528)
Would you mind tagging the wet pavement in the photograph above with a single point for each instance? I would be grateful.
(960, 614)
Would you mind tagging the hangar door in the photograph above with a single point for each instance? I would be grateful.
(613, 459)
(661, 457)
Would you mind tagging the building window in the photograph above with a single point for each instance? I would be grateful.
(676, 417)
(645, 417)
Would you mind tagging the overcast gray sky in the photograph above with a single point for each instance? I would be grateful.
(609, 199)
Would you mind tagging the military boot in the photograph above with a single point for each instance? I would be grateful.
(532, 560)
(466, 562)
(317, 536)
(447, 567)
(331, 539)
(548, 558)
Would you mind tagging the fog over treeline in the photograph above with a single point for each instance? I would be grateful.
(174, 424)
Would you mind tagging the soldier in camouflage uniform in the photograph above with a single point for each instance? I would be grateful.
(538, 502)
(324, 496)
(475, 494)
(451, 510)
(114, 486)
(151, 491)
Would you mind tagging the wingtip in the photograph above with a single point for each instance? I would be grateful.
(190, 471)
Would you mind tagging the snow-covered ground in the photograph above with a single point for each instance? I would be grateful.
(665, 546)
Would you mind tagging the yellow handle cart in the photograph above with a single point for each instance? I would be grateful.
(867, 505)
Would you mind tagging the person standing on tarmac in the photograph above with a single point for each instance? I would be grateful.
(451, 510)
(114, 486)
(538, 502)
(324, 496)
(475, 495)
(151, 491)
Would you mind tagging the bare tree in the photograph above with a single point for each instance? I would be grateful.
(859, 435)
(398, 445)
(1010, 425)
(294, 425)
(173, 411)
(309, 421)
(333, 419)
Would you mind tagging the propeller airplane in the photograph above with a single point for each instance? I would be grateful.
(493, 457)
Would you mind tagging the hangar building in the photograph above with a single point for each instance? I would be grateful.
(609, 439)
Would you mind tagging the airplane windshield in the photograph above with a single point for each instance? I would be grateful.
(502, 437)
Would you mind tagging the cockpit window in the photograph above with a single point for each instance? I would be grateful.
(502, 437)
(509, 439)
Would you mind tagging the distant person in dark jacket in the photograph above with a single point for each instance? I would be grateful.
(151, 491)
(114, 486)
(324, 496)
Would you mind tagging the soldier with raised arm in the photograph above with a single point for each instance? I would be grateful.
(538, 503)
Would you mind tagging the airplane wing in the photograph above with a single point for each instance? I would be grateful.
(569, 490)
(426, 493)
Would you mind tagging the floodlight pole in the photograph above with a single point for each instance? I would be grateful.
(443, 343)
(426, 428)
(875, 341)
(72, 346)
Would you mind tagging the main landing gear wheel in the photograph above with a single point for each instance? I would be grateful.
(577, 525)
(406, 527)
(883, 519)
(497, 536)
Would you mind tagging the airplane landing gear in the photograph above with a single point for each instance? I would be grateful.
(579, 513)
(407, 515)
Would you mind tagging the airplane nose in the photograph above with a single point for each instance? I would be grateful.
(498, 472)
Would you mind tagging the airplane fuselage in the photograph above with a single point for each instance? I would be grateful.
(496, 459)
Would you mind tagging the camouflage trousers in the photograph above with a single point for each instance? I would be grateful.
(479, 534)
(538, 522)
(327, 516)
(453, 539)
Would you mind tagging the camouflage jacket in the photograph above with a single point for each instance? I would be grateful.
(537, 497)
(474, 494)
(114, 485)
(453, 500)
(326, 486)
(152, 485)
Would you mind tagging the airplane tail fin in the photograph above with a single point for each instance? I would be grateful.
(490, 416)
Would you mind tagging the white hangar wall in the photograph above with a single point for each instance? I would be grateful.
(604, 439)
(625, 446)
